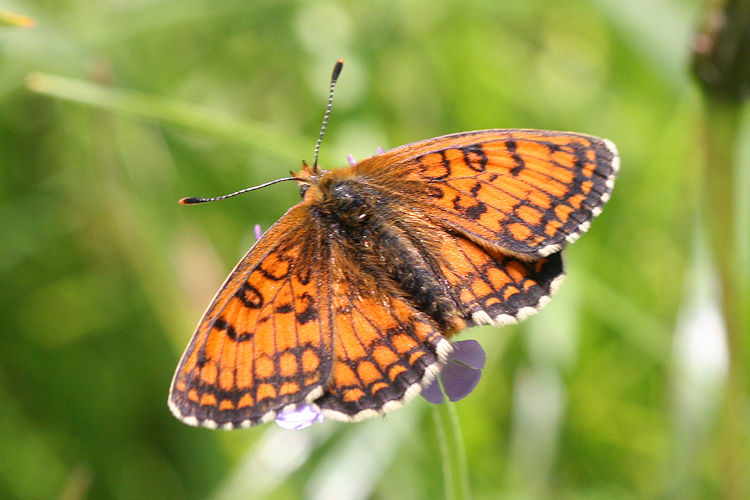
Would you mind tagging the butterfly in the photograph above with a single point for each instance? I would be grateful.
(347, 302)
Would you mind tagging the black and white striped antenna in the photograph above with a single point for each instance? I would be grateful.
(195, 200)
(334, 78)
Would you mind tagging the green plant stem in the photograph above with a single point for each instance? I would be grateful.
(171, 111)
(452, 452)
(720, 209)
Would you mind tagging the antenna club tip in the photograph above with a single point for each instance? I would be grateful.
(337, 69)
(190, 200)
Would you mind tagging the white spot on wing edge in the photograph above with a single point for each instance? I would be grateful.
(190, 421)
(482, 318)
(527, 311)
(243, 424)
(312, 395)
(504, 319)
(582, 228)
(555, 286)
(549, 250)
(595, 212)
(615, 154)
(442, 349)
(524, 312)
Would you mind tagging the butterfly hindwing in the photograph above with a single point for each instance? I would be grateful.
(526, 192)
(384, 348)
(495, 288)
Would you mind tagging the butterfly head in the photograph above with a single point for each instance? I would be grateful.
(308, 176)
(337, 193)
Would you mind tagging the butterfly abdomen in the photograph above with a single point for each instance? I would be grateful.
(409, 264)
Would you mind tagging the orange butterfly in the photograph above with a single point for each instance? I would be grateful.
(347, 302)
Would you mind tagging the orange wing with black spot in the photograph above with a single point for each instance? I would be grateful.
(265, 341)
(495, 288)
(299, 322)
(384, 349)
(525, 192)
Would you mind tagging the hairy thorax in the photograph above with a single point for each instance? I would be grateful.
(373, 225)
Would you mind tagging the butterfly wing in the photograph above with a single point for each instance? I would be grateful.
(299, 321)
(265, 341)
(384, 348)
(495, 288)
(525, 192)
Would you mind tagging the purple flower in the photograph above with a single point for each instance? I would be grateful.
(353, 162)
(299, 418)
(460, 375)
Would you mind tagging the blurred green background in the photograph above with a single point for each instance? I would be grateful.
(111, 111)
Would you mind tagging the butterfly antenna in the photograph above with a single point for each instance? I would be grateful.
(334, 78)
(193, 200)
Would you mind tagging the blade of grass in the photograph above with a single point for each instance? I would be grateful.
(172, 111)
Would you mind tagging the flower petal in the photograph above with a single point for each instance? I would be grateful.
(459, 380)
(433, 393)
(460, 375)
(469, 352)
(299, 418)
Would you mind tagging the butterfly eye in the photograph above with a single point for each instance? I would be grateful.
(303, 189)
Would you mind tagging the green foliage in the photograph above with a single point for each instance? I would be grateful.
(112, 111)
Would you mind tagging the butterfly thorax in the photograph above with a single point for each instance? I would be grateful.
(387, 242)
(349, 201)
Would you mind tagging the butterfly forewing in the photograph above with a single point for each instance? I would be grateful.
(526, 192)
(265, 341)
